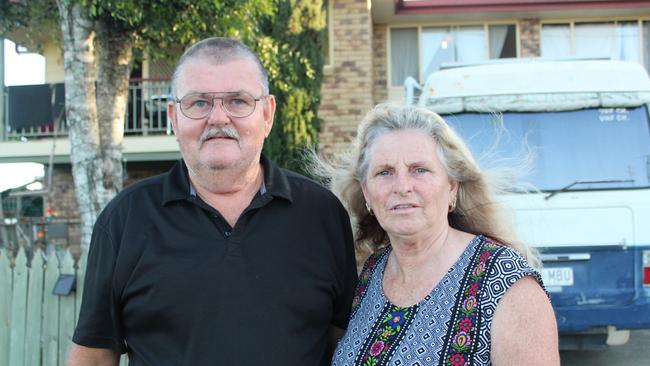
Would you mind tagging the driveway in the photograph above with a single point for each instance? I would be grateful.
(636, 352)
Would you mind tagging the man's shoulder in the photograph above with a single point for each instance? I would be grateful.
(154, 183)
(301, 184)
(147, 189)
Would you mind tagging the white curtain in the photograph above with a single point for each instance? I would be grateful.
(470, 44)
(618, 41)
(437, 45)
(403, 55)
(498, 35)
(596, 40)
(628, 42)
(556, 40)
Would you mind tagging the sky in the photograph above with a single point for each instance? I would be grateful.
(21, 69)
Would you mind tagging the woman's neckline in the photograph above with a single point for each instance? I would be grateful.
(471, 247)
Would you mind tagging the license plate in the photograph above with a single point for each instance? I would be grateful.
(557, 276)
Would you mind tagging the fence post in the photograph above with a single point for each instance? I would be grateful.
(50, 313)
(18, 310)
(66, 311)
(34, 311)
(81, 280)
(5, 306)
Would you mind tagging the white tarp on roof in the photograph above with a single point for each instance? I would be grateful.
(537, 86)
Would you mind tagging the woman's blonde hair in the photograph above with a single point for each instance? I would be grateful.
(476, 211)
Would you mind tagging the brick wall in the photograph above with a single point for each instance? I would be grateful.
(64, 202)
(348, 81)
(529, 37)
(380, 63)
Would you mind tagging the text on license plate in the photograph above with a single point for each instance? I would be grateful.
(557, 276)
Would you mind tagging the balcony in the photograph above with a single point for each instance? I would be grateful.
(34, 125)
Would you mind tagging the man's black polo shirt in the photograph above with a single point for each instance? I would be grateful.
(170, 282)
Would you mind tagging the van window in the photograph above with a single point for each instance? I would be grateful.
(599, 144)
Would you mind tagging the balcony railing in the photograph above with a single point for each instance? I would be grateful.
(146, 114)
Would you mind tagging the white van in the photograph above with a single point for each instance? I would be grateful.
(588, 125)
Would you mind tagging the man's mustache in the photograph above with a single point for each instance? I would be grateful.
(212, 132)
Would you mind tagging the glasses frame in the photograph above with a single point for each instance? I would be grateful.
(222, 95)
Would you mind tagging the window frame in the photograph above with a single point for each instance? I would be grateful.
(571, 22)
(451, 26)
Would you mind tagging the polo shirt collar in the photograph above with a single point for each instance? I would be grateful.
(176, 185)
(275, 180)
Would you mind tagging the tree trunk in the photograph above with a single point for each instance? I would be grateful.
(115, 52)
(81, 114)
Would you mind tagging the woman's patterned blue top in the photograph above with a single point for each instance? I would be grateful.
(450, 326)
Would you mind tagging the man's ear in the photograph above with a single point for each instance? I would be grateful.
(171, 115)
(269, 114)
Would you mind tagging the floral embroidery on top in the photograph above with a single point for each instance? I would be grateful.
(464, 332)
(364, 278)
(387, 333)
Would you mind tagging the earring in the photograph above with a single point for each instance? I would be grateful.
(452, 204)
(369, 209)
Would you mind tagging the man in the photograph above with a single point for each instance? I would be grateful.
(226, 259)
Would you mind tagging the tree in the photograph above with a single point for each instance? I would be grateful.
(99, 38)
(296, 73)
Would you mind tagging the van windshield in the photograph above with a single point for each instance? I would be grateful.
(600, 148)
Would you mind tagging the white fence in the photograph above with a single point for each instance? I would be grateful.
(36, 326)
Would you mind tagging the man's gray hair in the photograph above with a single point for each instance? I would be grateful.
(219, 50)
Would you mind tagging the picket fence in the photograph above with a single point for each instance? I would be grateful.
(36, 326)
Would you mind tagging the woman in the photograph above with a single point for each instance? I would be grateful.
(447, 283)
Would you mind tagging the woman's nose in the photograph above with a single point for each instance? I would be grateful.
(403, 183)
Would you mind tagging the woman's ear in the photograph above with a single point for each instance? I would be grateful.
(454, 186)
(364, 190)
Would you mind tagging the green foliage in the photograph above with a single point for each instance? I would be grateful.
(31, 17)
(292, 52)
(12, 15)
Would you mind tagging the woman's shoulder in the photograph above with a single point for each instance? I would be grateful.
(371, 264)
(375, 257)
(503, 252)
(507, 264)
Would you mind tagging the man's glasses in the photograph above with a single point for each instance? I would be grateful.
(234, 104)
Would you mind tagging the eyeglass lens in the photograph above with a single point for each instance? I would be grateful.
(199, 105)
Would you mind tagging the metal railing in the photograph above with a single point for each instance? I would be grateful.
(146, 114)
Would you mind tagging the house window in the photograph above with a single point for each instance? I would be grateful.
(619, 40)
(439, 45)
(556, 40)
(403, 55)
(502, 41)
(419, 51)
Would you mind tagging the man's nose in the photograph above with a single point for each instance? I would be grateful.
(218, 115)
